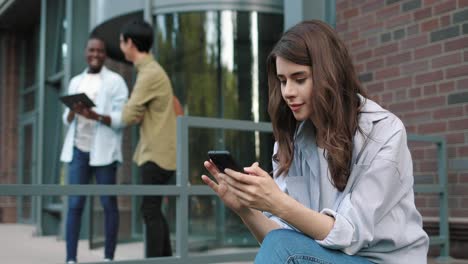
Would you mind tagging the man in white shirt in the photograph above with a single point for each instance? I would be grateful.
(93, 143)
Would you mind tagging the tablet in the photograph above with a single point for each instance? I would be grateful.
(71, 99)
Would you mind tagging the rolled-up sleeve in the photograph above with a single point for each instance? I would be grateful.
(380, 186)
(142, 93)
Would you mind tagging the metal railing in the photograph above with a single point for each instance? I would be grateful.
(440, 188)
(182, 190)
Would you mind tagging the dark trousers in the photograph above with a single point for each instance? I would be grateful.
(80, 172)
(158, 242)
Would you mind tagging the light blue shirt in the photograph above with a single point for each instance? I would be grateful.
(106, 145)
(375, 216)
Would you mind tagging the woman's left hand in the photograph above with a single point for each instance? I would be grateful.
(256, 189)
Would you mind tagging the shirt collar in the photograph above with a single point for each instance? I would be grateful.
(142, 62)
(370, 112)
(101, 73)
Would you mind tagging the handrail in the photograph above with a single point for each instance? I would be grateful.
(182, 190)
(440, 188)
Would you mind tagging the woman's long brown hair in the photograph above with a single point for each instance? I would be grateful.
(335, 101)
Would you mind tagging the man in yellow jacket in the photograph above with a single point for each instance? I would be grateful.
(151, 105)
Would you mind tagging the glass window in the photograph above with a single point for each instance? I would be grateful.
(216, 61)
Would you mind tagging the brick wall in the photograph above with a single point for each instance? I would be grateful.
(8, 122)
(412, 56)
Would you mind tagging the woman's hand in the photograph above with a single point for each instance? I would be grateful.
(254, 190)
(222, 189)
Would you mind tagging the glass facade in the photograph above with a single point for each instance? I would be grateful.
(216, 61)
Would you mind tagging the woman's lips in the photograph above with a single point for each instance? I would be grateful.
(295, 107)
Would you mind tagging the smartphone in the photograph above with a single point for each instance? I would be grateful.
(224, 160)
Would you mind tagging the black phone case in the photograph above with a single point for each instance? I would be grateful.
(223, 160)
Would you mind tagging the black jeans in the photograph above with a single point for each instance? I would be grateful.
(158, 242)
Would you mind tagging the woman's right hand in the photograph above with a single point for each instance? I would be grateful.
(221, 188)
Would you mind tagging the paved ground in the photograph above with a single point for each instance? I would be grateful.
(19, 246)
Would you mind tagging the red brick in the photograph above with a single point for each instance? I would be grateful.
(430, 102)
(398, 58)
(428, 51)
(455, 138)
(423, 13)
(342, 5)
(415, 92)
(451, 152)
(462, 151)
(445, 60)
(445, 6)
(446, 87)
(400, 83)
(465, 56)
(420, 202)
(436, 127)
(375, 64)
(448, 112)
(459, 71)
(387, 73)
(402, 107)
(429, 90)
(369, 29)
(372, 5)
(364, 55)
(372, 42)
(386, 49)
(430, 2)
(444, 21)
(398, 21)
(412, 30)
(462, 3)
(349, 36)
(416, 117)
(417, 153)
(458, 124)
(464, 201)
(388, 12)
(414, 67)
(462, 84)
(350, 13)
(411, 129)
(456, 44)
(359, 68)
(429, 77)
(401, 95)
(430, 25)
(342, 27)
(358, 44)
(361, 20)
(414, 42)
(428, 166)
(387, 97)
(375, 87)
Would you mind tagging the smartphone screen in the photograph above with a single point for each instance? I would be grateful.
(223, 160)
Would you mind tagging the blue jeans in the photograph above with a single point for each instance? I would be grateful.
(80, 172)
(283, 246)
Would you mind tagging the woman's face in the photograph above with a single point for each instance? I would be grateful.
(296, 87)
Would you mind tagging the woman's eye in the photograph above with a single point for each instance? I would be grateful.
(283, 82)
(301, 81)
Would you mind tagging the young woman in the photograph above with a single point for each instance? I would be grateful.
(342, 190)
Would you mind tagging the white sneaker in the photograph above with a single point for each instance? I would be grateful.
(71, 262)
(107, 260)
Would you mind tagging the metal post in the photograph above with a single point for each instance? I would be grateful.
(182, 217)
(40, 112)
(443, 224)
